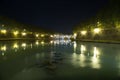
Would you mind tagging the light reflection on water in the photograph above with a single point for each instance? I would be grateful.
(65, 55)
(81, 59)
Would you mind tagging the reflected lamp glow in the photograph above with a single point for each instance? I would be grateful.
(42, 42)
(97, 30)
(95, 60)
(96, 52)
(15, 46)
(24, 45)
(3, 31)
(31, 45)
(3, 53)
(74, 55)
(83, 49)
(82, 59)
(55, 42)
(37, 43)
(83, 32)
(75, 46)
(95, 63)
(3, 48)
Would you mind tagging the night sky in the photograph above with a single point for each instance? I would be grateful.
(58, 15)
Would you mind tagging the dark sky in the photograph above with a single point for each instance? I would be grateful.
(59, 15)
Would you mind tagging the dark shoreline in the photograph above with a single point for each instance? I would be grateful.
(99, 41)
(15, 39)
(82, 40)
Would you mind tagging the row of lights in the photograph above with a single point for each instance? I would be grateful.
(24, 33)
(15, 33)
(17, 46)
(95, 31)
(84, 32)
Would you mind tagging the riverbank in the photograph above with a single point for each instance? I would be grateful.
(14, 39)
(9, 39)
(99, 41)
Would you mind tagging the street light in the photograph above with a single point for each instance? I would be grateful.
(97, 30)
(15, 33)
(83, 32)
(37, 35)
(24, 33)
(75, 35)
(3, 31)
(51, 36)
(42, 35)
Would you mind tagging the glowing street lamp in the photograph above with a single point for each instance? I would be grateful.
(3, 31)
(24, 33)
(97, 30)
(75, 35)
(42, 35)
(83, 32)
(15, 33)
(37, 35)
(51, 36)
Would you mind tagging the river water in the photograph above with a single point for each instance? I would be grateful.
(59, 60)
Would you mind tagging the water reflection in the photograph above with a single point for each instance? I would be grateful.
(3, 48)
(74, 46)
(95, 59)
(82, 60)
(15, 46)
(83, 49)
(24, 45)
(90, 60)
(60, 55)
(37, 43)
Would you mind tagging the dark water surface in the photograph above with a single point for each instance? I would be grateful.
(59, 60)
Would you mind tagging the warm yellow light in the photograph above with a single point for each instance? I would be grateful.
(75, 46)
(23, 44)
(97, 30)
(15, 45)
(24, 34)
(42, 42)
(75, 34)
(51, 35)
(37, 35)
(3, 48)
(96, 52)
(15, 33)
(83, 32)
(55, 35)
(37, 43)
(4, 31)
(42, 35)
(51, 42)
(3, 54)
(95, 59)
(83, 49)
